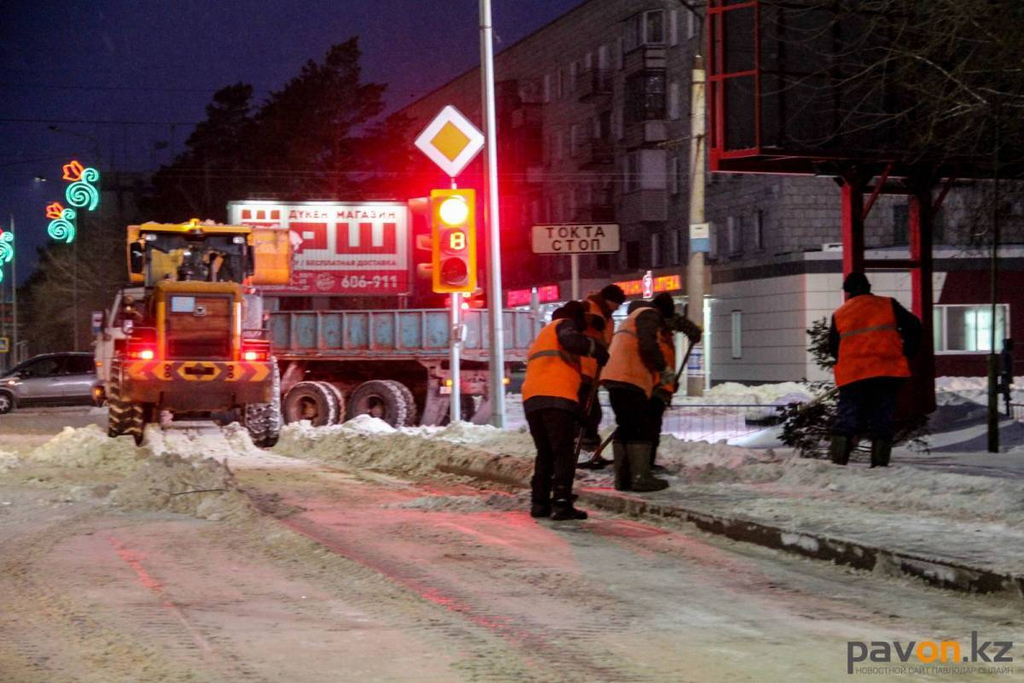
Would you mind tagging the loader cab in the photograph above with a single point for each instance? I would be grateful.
(190, 252)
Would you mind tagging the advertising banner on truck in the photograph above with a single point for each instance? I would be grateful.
(341, 248)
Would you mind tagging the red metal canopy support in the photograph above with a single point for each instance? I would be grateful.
(853, 223)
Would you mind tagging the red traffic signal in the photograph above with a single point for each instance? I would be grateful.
(453, 240)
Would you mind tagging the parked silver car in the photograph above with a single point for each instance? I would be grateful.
(49, 379)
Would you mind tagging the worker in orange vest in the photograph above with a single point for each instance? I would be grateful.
(600, 325)
(551, 404)
(871, 337)
(663, 392)
(636, 366)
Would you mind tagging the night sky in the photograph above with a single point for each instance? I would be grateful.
(152, 66)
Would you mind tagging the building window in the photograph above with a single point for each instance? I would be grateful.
(633, 254)
(673, 28)
(602, 57)
(673, 248)
(646, 28)
(547, 87)
(737, 334)
(656, 250)
(968, 328)
(619, 127)
(645, 96)
(673, 100)
(561, 84)
(733, 227)
(673, 175)
(620, 54)
(691, 24)
(759, 230)
(712, 240)
(574, 70)
(574, 139)
(900, 221)
(572, 204)
(632, 179)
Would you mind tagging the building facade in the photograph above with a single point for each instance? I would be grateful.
(594, 126)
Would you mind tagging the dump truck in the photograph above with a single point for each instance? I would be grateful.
(186, 339)
(390, 364)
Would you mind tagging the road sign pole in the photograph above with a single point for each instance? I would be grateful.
(575, 260)
(491, 211)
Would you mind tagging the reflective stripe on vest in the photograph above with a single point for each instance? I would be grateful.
(869, 340)
(551, 370)
(625, 364)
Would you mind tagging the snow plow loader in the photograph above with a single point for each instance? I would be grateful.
(187, 340)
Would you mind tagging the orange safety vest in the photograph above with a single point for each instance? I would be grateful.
(588, 365)
(668, 349)
(869, 340)
(550, 369)
(625, 364)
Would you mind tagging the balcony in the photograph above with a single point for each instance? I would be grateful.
(644, 206)
(645, 57)
(594, 84)
(595, 152)
(595, 213)
(645, 133)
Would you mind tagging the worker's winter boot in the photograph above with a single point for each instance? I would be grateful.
(881, 449)
(840, 448)
(562, 507)
(540, 509)
(622, 478)
(640, 468)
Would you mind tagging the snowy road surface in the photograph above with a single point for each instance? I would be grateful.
(350, 575)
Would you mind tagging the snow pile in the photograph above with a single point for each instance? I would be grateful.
(205, 489)
(761, 394)
(88, 447)
(8, 461)
(411, 450)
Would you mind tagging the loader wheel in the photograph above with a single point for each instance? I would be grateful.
(382, 399)
(124, 416)
(263, 420)
(313, 401)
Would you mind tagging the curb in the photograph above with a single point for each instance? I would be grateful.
(935, 571)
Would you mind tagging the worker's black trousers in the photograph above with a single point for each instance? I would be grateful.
(656, 408)
(866, 408)
(555, 466)
(591, 421)
(633, 418)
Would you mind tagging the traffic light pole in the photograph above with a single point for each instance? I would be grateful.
(454, 355)
(491, 214)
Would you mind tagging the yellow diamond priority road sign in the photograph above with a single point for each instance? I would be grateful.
(451, 141)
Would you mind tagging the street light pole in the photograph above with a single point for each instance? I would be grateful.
(491, 215)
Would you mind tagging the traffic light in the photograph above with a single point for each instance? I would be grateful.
(453, 240)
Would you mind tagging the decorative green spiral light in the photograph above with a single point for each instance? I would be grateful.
(83, 193)
(6, 251)
(62, 228)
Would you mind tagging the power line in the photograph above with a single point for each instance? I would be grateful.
(103, 122)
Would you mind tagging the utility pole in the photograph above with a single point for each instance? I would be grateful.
(993, 356)
(491, 216)
(699, 231)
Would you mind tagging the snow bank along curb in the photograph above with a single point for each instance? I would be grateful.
(943, 573)
(505, 457)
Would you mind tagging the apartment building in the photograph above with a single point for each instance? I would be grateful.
(594, 126)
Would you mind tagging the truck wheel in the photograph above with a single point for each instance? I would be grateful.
(410, 402)
(379, 398)
(123, 416)
(340, 398)
(263, 420)
(313, 401)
